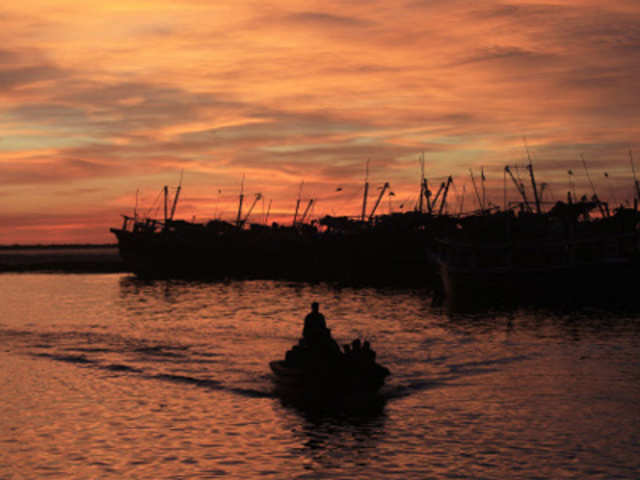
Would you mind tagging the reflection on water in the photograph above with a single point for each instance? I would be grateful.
(109, 377)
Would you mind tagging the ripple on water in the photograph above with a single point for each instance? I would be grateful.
(108, 377)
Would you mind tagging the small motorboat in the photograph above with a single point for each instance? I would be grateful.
(326, 370)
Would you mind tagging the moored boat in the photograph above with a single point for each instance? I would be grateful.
(541, 259)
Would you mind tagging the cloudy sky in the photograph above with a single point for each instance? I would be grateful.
(101, 101)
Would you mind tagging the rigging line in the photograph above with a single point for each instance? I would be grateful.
(457, 197)
(313, 205)
(504, 186)
(612, 191)
(150, 210)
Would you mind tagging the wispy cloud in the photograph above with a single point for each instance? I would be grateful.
(325, 20)
(102, 99)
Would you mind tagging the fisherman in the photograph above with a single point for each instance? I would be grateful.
(370, 354)
(315, 326)
(316, 335)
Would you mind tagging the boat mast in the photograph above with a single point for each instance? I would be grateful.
(295, 215)
(437, 195)
(135, 209)
(475, 189)
(572, 186)
(504, 187)
(536, 197)
(266, 217)
(443, 202)
(239, 218)
(166, 194)
(484, 190)
(366, 192)
(427, 194)
(175, 199)
(635, 180)
(519, 187)
(375, 206)
(423, 191)
(593, 188)
(306, 210)
(255, 200)
(535, 187)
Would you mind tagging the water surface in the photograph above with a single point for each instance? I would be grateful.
(105, 376)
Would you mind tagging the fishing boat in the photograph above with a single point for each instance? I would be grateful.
(321, 373)
(369, 249)
(576, 253)
(540, 259)
(169, 248)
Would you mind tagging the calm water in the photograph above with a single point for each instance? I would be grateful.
(107, 377)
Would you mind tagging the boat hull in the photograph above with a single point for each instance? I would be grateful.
(607, 284)
(275, 254)
(336, 381)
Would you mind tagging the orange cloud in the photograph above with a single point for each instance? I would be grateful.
(103, 99)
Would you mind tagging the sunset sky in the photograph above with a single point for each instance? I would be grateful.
(100, 100)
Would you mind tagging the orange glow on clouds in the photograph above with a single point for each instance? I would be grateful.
(100, 100)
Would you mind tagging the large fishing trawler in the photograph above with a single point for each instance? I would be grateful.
(576, 253)
(369, 249)
(169, 248)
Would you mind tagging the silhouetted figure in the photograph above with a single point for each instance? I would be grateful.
(317, 337)
(315, 326)
(317, 363)
(369, 353)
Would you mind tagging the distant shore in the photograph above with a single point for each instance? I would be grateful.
(61, 258)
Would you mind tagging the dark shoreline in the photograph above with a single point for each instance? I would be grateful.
(61, 258)
(49, 246)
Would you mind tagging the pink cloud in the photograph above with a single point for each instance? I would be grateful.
(104, 99)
